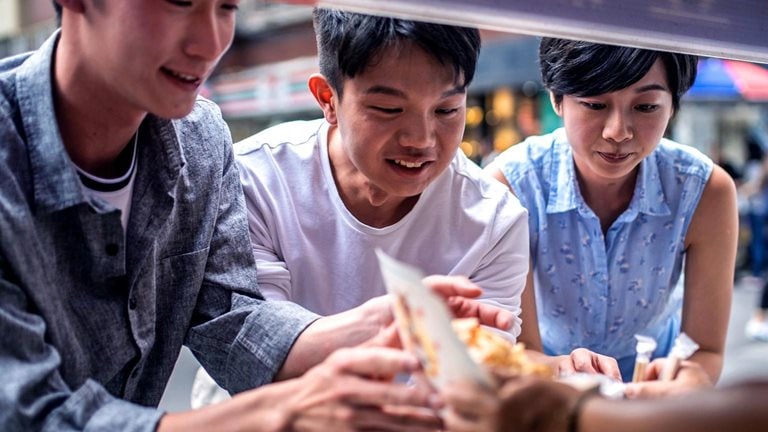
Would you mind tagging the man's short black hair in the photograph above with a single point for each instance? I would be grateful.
(581, 68)
(348, 42)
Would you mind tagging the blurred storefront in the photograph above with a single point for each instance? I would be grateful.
(727, 103)
(262, 79)
(506, 100)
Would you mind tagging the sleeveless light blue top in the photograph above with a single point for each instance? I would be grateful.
(597, 291)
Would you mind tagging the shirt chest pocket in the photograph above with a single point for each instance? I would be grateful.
(178, 282)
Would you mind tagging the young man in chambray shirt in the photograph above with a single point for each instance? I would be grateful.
(123, 236)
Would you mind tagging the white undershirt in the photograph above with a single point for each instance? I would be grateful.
(119, 198)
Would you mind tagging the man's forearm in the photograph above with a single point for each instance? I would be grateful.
(330, 333)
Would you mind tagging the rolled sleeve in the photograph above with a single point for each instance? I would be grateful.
(264, 343)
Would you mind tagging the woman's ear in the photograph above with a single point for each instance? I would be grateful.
(558, 107)
(325, 96)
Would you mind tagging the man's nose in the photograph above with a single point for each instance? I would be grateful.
(208, 37)
(418, 132)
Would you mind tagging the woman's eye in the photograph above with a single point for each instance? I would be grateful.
(593, 106)
(647, 107)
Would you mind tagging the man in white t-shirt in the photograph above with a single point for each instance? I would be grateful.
(380, 170)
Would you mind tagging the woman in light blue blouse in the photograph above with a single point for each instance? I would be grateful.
(618, 213)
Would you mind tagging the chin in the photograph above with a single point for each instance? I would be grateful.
(175, 112)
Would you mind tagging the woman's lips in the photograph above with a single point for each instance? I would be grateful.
(614, 157)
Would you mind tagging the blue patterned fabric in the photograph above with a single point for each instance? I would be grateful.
(593, 290)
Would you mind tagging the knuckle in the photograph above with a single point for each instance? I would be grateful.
(341, 358)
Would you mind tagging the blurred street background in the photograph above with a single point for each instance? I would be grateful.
(261, 81)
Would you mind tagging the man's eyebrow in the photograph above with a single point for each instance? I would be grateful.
(391, 91)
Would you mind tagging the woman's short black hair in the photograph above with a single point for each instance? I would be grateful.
(348, 42)
(581, 68)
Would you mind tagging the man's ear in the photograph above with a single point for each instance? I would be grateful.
(73, 5)
(324, 95)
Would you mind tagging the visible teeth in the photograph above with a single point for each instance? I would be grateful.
(409, 164)
(182, 76)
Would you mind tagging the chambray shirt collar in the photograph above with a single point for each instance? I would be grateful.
(55, 180)
(564, 194)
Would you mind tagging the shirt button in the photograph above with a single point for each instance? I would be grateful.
(112, 249)
(132, 303)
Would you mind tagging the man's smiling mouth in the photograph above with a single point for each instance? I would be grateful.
(187, 79)
(408, 164)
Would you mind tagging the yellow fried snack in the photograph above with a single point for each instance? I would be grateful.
(496, 352)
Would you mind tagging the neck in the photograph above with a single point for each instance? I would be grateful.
(95, 126)
(608, 199)
(367, 203)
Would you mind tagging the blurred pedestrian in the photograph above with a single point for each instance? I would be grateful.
(755, 192)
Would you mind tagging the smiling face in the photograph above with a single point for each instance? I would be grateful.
(613, 132)
(153, 55)
(397, 127)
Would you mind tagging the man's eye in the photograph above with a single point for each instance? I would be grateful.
(181, 3)
(387, 110)
(230, 7)
(447, 111)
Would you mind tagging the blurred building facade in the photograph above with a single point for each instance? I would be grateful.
(24, 25)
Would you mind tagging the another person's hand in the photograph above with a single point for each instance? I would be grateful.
(584, 360)
(691, 376)
(521, 404)
(459, 294)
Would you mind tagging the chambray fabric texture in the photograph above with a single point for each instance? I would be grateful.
(91, 324)
(597, 291)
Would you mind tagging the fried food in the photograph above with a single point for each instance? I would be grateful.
(496, 352)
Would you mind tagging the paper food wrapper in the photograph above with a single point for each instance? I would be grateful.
(424, 323)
